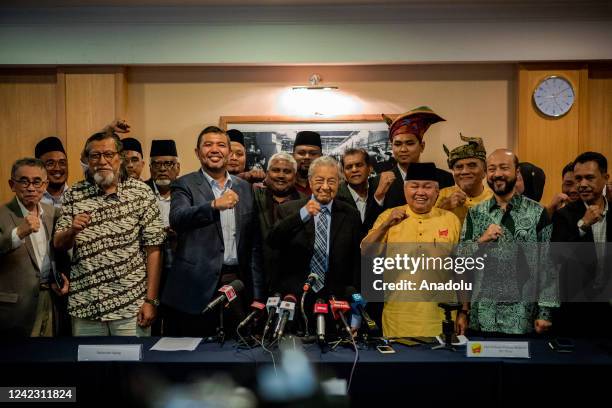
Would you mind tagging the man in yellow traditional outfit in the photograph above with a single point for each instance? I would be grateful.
(409, 225)
(468, 164)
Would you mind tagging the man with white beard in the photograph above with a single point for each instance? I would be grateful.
(113, 225)
(165, 168)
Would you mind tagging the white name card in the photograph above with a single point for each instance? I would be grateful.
(498, 349)
(110, 352)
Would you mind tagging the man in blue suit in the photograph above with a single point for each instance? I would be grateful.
(212, 214)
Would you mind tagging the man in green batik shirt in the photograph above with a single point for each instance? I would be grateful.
(509, 222)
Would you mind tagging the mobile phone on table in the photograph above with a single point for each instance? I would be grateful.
(385, 349)
(562, 345)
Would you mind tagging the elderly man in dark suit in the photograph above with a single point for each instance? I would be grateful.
(318, 235)
(26, 227)
(586, 266)
(212, 214)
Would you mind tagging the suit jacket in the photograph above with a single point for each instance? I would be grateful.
(578, 275)
(295, 240)
(196, 270)
(263, 206)
(373, 210)
(395, 195)
(20, 274)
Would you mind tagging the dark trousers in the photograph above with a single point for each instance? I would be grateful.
(180, 324)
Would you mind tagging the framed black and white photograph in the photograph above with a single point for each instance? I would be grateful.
(267, 135)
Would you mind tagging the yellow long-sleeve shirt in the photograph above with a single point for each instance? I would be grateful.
(403, 318)
(462, 210)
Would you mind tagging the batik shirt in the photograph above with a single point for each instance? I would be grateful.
(108, 278)
(515, 264)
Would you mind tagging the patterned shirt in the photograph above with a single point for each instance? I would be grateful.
(523, 221)
(108, 278)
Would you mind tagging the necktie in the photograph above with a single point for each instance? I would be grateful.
(318, 263)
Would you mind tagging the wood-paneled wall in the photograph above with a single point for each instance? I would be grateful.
(27, 114)
(551, 143)
(72, 103)
(93, 97)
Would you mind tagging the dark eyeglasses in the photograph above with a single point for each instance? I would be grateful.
(158, 165)
(50, 164)
(108, 156)
(25, 183)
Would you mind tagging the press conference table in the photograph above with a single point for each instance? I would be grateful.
(411, 374)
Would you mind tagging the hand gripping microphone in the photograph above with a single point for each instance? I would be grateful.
(320, 310)
(358, 307)
(338, 307)
(286, 311)
(312, 278)
(228, 294)
(272, 306)
(258, 309)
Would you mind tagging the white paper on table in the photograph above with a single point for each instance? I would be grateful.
(177, 344)
(462, 340)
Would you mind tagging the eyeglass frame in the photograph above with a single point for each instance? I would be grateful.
(166, 164)
(29, 182)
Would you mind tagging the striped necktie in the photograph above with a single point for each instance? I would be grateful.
(318, 263)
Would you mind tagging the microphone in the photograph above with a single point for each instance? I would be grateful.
(312, 278)
(272, 306)
(338, 307)
(320, 310)
(228, 294)
(258, 308)
(358, 307)
(286, 311)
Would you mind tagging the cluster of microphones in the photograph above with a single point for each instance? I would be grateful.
(281, 310)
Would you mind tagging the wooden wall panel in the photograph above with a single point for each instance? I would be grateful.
(94, 97)
(27, 114)
(599, 124)
(549, 143)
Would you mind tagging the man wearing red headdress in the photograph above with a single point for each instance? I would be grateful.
(406, 135)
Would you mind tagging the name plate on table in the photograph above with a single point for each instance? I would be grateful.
(110, 352)
(498, 349)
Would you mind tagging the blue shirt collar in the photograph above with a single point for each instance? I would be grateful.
(214, 183)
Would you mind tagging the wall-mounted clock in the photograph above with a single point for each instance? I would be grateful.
(554, 96)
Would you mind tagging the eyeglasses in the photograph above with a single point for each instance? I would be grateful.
(158, 165)
(108, 156)
(25, 183)
(50, 164)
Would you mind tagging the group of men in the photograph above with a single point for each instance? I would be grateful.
(131, 255)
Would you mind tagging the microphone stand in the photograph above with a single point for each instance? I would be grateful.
(307, 338)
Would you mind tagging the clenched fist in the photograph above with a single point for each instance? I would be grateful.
(30, 224)
(80, 222)
(228, 200)
(592, 215)
(456, 199)
(397, 215)
(313, 208)
(491, 234)
(386, 179)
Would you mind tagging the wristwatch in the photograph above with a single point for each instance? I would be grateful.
(154, 302)
(581, 224)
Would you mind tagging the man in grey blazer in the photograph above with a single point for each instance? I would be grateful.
(27, 274)
(212, 214)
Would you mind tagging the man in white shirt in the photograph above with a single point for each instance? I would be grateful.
(358, 188)
(26, 227)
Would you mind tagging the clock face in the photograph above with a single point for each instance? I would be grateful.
(554, 96)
